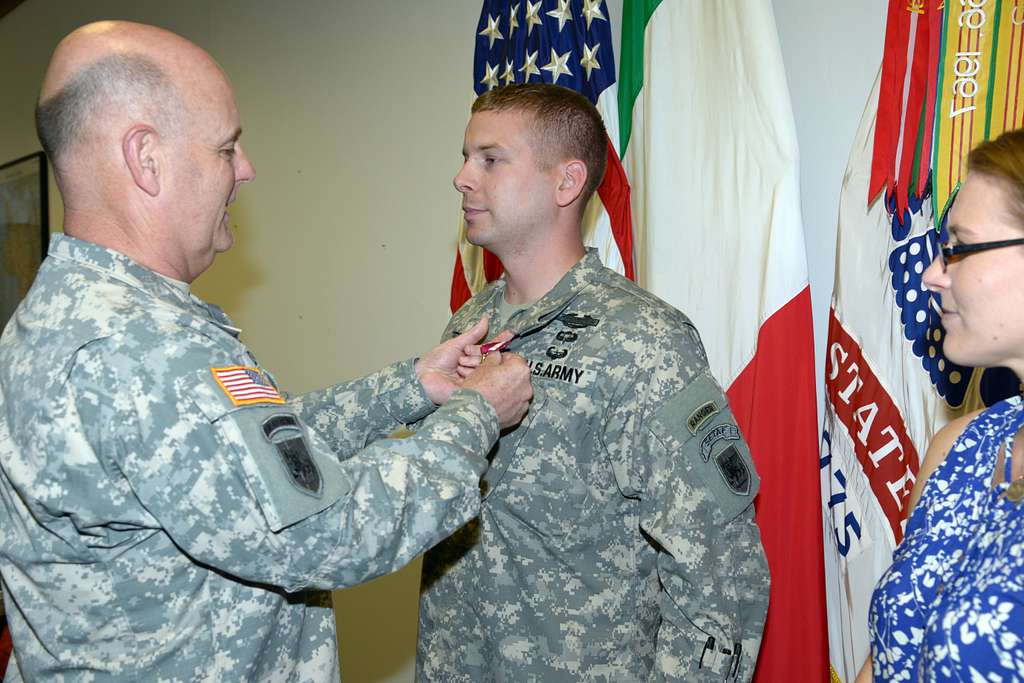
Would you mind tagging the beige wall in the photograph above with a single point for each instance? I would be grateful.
(353, 115)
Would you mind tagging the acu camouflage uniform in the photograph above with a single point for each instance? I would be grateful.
(616, 540)
(152, 530)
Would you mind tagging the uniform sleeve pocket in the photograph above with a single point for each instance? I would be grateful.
(704, 443)
(289, 469)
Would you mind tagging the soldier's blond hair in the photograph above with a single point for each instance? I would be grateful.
(566, 125)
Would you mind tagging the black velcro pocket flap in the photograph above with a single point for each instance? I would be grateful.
(698, 425)
(290, 470)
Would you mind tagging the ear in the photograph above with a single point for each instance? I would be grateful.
(573, 180)
(139, 148)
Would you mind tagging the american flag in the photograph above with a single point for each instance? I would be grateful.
(565, 42)
(568, 43)
(245, 386)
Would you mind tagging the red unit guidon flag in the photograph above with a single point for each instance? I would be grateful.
(245, 386)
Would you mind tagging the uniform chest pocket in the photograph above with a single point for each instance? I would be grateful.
(544, 472)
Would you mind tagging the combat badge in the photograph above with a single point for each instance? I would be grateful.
(734, 470)
(285, 433)
(556, 353)
(578, 321)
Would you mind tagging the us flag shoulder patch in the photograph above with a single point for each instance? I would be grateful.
(246, 386)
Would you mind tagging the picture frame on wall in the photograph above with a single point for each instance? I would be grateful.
(24, 228)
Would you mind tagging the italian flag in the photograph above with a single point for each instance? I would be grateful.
(708, 142)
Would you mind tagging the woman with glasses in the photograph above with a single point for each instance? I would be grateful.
(951, 606)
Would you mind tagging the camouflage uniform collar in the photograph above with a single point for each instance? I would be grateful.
(120, 267)
(550, 306)
(178, 286)
(579, 277)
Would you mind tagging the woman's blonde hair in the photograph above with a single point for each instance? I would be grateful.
(1002, 160)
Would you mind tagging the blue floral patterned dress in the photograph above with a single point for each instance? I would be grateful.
(950, 606)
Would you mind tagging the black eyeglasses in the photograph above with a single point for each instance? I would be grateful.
(955, 253)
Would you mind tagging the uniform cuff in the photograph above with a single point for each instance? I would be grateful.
(402, 394)
(479, 421)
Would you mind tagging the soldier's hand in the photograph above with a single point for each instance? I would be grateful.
(473, 356)
(438, 369)
(504, 381)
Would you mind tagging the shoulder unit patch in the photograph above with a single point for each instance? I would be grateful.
(734, 470)
(285, 432)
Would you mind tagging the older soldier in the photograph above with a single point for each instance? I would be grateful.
(165, 513)
(617, 540)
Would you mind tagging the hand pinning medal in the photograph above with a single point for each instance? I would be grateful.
(493, 346)
(474, 355)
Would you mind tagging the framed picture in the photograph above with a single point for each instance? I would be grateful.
(24, 228)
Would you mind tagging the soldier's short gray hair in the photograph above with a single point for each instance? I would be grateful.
(128, 80)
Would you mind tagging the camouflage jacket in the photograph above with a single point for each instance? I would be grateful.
(616, 540)
(166, 515)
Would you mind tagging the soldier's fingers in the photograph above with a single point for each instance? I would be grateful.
(474, 333)
(470, 361)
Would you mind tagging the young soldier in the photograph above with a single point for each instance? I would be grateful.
(617, 539)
